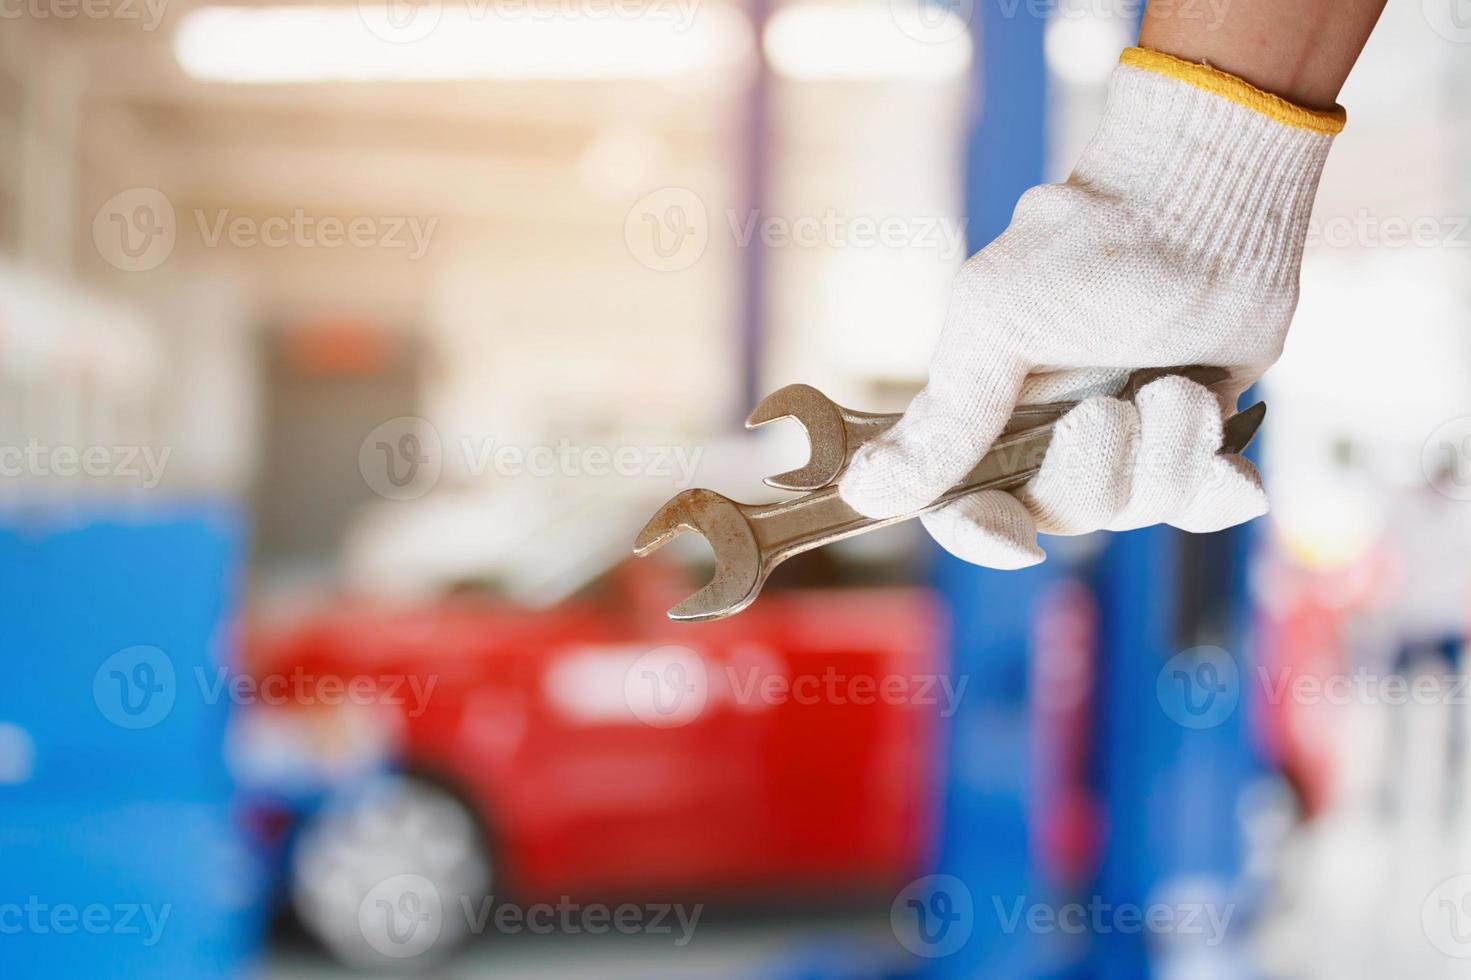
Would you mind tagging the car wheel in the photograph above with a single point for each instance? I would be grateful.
(391, 873)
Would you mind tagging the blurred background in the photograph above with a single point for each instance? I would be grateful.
(345, 348)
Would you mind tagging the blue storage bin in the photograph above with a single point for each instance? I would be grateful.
(137, 890)
(117, 628)
(119, 837)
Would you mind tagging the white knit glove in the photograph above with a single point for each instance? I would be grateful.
(1176, 241)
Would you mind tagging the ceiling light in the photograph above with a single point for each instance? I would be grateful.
(1084, 50)
(839, 41)
(427, 42)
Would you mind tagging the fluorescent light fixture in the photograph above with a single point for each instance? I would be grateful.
(1083, 50)
(429, 42)
(827, 41)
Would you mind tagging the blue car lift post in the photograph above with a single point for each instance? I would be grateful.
(1169, 793)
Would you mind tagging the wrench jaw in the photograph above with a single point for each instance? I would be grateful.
(739, 572)
(827, 436)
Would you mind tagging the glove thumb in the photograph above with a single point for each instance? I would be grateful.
(949, 426)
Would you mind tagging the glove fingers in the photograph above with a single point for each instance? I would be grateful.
(947, 429)
(1231, 494)
(989, 528)
(1085, 476)
(1180, 431)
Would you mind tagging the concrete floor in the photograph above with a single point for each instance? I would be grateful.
(725, 948)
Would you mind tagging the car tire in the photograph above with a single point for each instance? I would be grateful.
(389, 874)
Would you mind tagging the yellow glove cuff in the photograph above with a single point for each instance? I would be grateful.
(1228, 86)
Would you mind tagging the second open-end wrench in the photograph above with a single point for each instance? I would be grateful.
(835, 433)
(750, 541)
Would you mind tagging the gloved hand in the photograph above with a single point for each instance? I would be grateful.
(1176, 241)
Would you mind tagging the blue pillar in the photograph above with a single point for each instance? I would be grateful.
(986, 839)
(1175, 752)
(1170, 781)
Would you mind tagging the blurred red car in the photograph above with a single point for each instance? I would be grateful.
(595, 749)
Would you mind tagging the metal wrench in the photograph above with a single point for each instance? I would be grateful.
(835, 433)
(750, 541)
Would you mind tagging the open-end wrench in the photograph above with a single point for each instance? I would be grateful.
(835, 433)
(749, 541)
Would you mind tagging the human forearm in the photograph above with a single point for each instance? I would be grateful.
(1301, 50)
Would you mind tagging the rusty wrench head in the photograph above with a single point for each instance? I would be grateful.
(739, 568)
